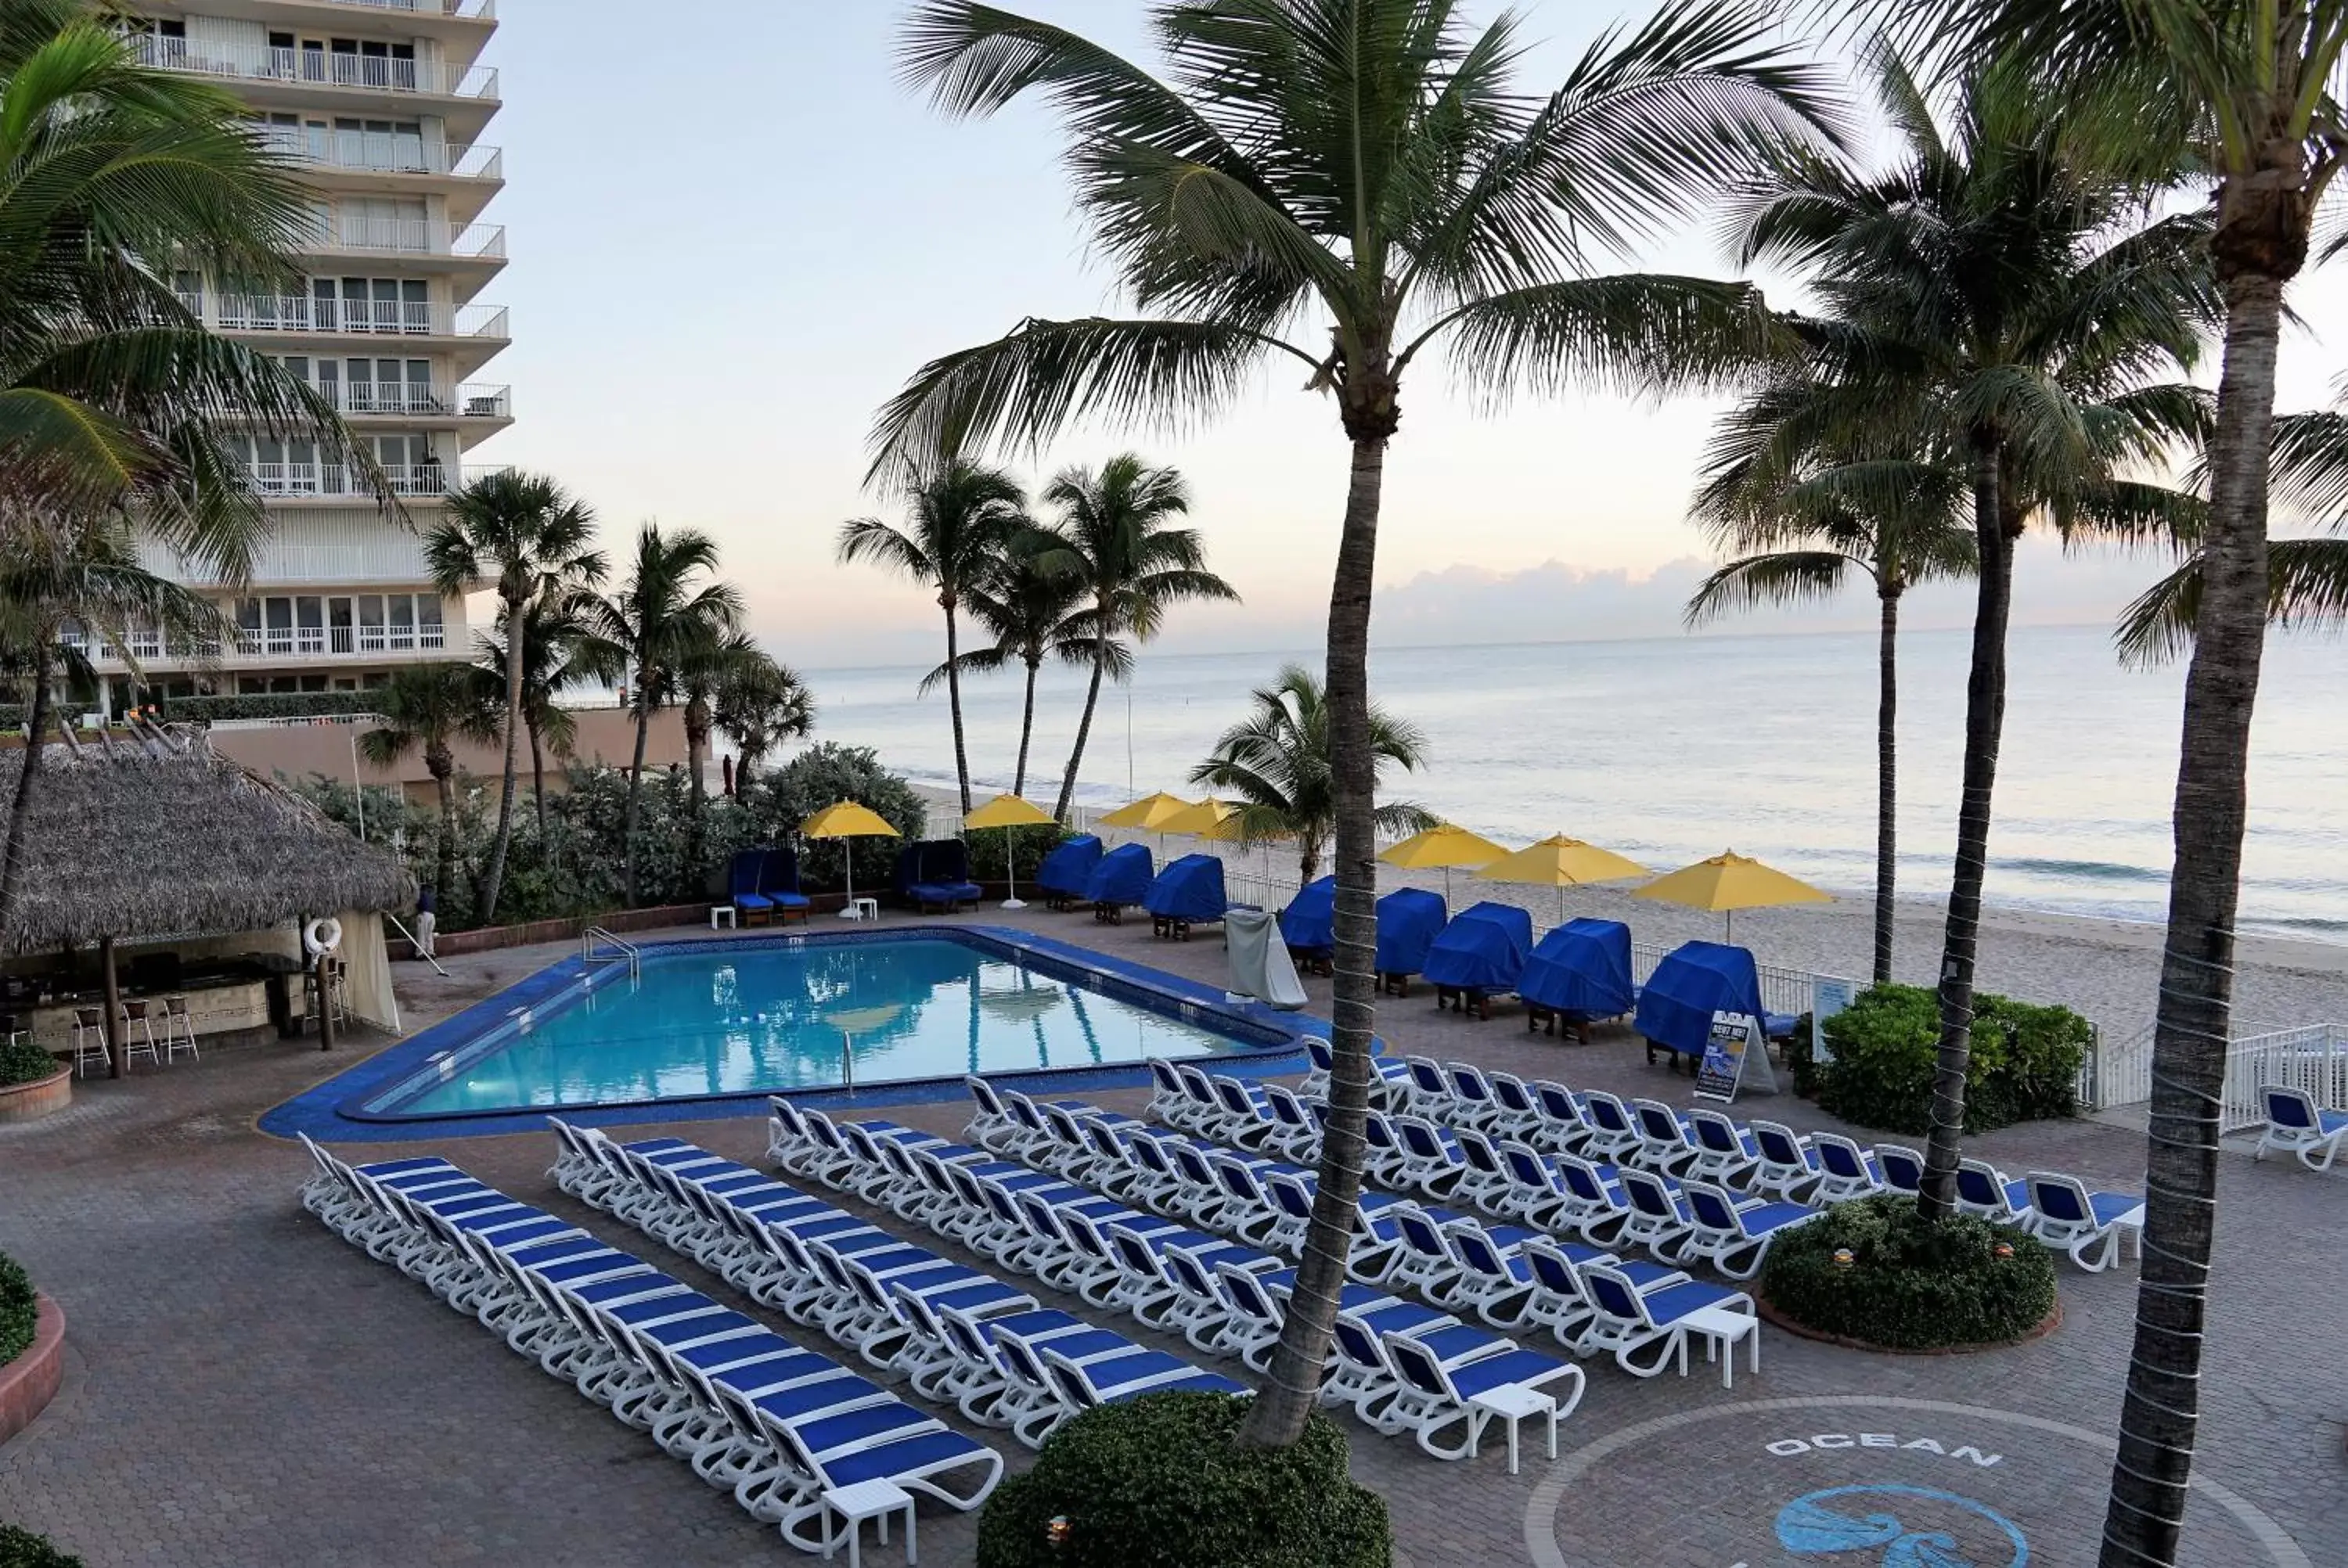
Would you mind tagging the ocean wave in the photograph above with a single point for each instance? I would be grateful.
(2089, 870)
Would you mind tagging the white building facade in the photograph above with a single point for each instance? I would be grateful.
(383, 105)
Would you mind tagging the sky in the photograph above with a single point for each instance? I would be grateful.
(732, 243)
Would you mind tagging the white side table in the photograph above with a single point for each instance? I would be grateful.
(855, 1504)
(1721, 1329)
(722, 913)
(862, 909)
(1512, 1404)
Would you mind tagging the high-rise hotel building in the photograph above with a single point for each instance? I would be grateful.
(383, 105)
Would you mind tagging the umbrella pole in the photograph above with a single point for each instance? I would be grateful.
(848, 858)
(1010, 869)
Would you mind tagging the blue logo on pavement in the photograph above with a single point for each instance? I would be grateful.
(1859, 1519)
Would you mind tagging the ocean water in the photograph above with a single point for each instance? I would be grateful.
(1672, 749)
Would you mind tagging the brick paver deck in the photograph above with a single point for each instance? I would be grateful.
(243, 1389)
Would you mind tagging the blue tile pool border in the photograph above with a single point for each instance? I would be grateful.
(333, 1109)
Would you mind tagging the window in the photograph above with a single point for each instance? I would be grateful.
(428, 630)
(310, 623)
(403, 622)
(338, 626)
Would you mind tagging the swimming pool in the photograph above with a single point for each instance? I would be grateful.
(773, 1014)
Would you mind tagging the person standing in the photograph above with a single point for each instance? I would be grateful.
(426, 917)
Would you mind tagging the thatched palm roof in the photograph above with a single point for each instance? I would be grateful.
(163, 837)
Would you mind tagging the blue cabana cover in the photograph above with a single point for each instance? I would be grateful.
(1583, 968)
(743, 880)
(1409, 919)
(1305, 925)
(1483, 949)
(778, 879)
(1069, 866)
(1696, 980)
(1191, 888)
(936, 871)
(1123, 875)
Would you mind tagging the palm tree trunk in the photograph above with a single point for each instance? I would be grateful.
(1026, 730)
(1984, 725)
(537, 780)
(1292, 1382)
(444, 784)
(1084, 724)
(635, 796)
(696, 749)
(1886, 794)
(2194, 1020)
(494, 878)
(20, 811)
(953, 701)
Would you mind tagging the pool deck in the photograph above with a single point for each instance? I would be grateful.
(242, 1388)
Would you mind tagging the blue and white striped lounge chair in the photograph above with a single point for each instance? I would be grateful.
(1364, 1375)
(1561, 1303)
(1647, 1330)
(1659, 1219)
(1295, 1134)
(1727, 1153)
(1786, 1164)
(1849, 1171)
(1430, 1092)
(1473, 1104)
(2095, 1228)
(1902, 1168)
(1114, 1379)
(1987, 1193)
(1612, 1135)
(1516, 1113)
(1562, 1129)
(2297, 1125)
(1735, 1237)
(1666, 1145)
(1436, 1395)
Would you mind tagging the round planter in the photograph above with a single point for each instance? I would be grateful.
(31, 1101)
(30, 1382)
(1770, 1315)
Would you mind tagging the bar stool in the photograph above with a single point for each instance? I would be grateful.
(88, 1039)
(178, 1030)
(134, 1016)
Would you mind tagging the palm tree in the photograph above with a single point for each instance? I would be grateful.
(1031, 614)
(1375, 166)
(760, 704)
(2259, 86)
(532, 542)
(661, 618)
(700, 675)
(55, 574)
(1111, 540)
(2001, 278)
(429, 708)
(558, 652)
(963, 518)
(1837, 514)
(1276, 761)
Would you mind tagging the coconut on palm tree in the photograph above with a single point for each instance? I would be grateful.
(1275, 764)
(533, 543)
(1803, 528)
(961, 517)
(2005, 280)
(759, 705)
(1113, 540)
(662, 615)
(1033, 615)
(429, 708)
(1371, 179)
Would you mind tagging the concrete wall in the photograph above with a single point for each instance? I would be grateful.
(324, 746)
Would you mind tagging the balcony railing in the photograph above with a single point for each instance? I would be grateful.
(317, 67)
(419, 399)
(314, 478)
(384, 152)
(309, 641)
(306, 313)
(407, 236)
(463, 10)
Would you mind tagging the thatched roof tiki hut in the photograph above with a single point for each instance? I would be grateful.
(159, 844)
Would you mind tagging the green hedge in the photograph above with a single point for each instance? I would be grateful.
(22, 1061)
(1911, 1285)
(20, 1312)
(22, 1549)
(2025, 1066)
(1159, 1484)
(269, 705)
(1029, 843)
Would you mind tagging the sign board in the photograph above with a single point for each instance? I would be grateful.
(1736, 1055)
(1828, 997)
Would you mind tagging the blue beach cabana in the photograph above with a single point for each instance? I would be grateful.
(1578, 973)
(1066, 870)
(1479, 955)
(934, 873)
(1122, 877)
(1187, 892)
(1308, 925)
(1409, 919)
(1693, 981)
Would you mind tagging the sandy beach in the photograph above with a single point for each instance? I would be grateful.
(2108, 969)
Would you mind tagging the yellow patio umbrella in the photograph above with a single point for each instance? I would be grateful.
(1008, 812)
(1148, 814)
(1203, 820)
(1729, 881)
(1442, 846)
(1560, 862)
(845, 819)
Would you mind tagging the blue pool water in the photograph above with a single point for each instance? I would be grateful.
(770, 1016)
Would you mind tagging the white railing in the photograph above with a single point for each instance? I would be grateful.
(2313, 1057)
(384, 152)
(462, 10)
(419, 399)
(305, 314)
(317, 67)
(335, 479)
(407, 236)
(267, 642)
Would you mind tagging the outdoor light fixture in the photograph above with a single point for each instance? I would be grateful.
(1843, 1257)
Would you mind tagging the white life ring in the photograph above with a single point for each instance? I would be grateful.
(323, 935)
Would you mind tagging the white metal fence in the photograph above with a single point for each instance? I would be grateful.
(2312, 1057)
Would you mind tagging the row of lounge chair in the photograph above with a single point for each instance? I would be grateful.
(959, 1335)
(780, 1427)
(763, 884)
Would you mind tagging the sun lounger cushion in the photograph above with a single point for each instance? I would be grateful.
(1409, 919)
(1483, 949)
(1069, 865)
(778, 879)
(936, 871)
(1583, 968)
(1693, 981)
(1123, 875)
(1190, 888)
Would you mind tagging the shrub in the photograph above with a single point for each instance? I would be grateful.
(1911, 1284)
(1157, 1483)
(2025, 1066)
(22, 1061)
(20, 1311)
(1030, 845)
(22, 1549)
(819, 776)
(268, 705)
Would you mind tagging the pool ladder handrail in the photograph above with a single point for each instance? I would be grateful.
(629, 951)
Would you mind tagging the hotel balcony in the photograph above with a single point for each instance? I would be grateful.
(311, 70)
(386, 152)
(250, 643)
(309, 478)
(483, 325)
(419, 400)
(417, 238)
(458, 10)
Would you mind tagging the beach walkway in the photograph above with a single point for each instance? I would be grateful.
(243, 1389)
